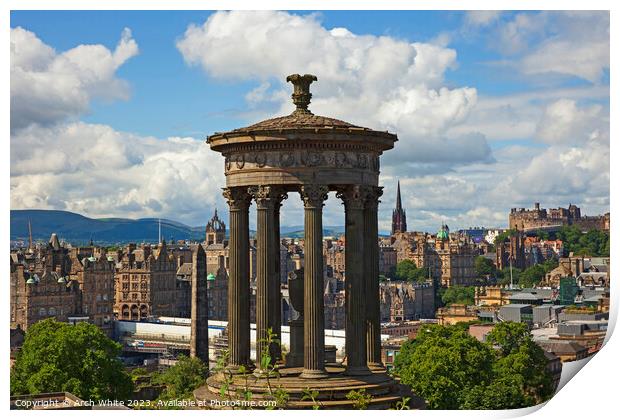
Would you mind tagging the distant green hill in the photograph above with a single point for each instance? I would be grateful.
(79, 229)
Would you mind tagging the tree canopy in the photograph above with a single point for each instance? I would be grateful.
(483, 266)
(79, 359)
(452, 370)
(406, 270)
(594, 243)
(502, 237)
(457, 294)
(182, 378)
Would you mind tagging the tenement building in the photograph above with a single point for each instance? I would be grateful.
(404, 301)
(96, 282)
(53, 281)
(537, 218)
(146, 282)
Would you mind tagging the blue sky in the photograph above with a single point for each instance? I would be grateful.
(494, 110)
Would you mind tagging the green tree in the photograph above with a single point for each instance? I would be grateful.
(531, 276)
(463, 295)
(183, 378)
(483, 266)
(521, 361)
(502, 237)
(593, 243)
(441, 362)
(503, 276)
(407, 270)
(452, 370)
(502, 394)
(79, 359)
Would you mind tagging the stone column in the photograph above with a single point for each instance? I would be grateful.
(275, 282)
(371, 272)
(313, 197)
(265, 197)
(353, 197)
(199, 340)
(239, 278)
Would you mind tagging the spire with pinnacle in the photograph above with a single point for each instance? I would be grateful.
(399, 217)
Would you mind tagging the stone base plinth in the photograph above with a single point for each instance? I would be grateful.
(332, 391)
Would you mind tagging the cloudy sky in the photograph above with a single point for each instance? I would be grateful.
(109, 110)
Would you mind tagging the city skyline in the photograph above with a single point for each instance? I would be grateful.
(493, 110)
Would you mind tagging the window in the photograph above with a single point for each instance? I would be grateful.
(52, 311)
(42, 312)
(105, 297)
(125, 286)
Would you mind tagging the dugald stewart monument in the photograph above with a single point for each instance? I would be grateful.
(311, 155)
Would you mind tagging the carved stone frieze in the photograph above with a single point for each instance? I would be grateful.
(338, 159)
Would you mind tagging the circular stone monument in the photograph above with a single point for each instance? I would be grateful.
(312, 155)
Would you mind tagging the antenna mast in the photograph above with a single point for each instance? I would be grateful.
(159, 234)
(29, 236)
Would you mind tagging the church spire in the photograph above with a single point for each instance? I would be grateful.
(399, 217)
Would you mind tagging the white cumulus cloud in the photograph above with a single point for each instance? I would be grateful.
(95, 170)
(47, 87)
(376, 81)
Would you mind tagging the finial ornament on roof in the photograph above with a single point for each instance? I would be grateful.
(301, 92)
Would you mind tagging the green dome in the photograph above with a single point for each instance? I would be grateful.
(61, 280)
(211, 277)
(30, 281)
(444, 233)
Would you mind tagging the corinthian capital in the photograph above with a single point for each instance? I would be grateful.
(314, 196)
(237, 197)
(267, 196)
(353, 196)
(372, 197)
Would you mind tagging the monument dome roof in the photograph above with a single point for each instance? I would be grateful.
(301, 119)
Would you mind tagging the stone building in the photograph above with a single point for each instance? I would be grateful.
(215, 232)
(567, 267)
(184, 290)
(146, 283)
(334, 257)
(40, 286)
(96, 282)
(449, 259)
(536, 218)
(511, 252)
(404, 301)
(388, 258)
(491, 296)
(334, 310)
(399, 217)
